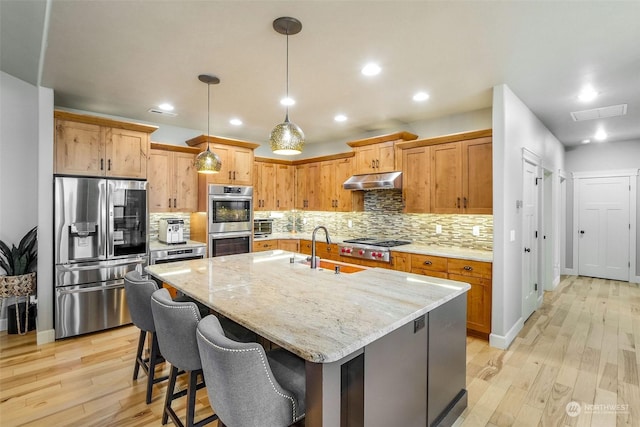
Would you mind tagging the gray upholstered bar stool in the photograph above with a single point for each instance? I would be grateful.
(246, 386)
(138, 293)
(175, 326)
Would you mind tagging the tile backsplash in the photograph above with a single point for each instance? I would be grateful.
(383, 217)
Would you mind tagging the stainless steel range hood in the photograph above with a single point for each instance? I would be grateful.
(374, 181)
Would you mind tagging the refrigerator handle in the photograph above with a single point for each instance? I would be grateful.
(66, 267)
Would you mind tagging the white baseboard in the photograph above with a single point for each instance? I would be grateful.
(45, 337)
(570, 271)
(503, 342)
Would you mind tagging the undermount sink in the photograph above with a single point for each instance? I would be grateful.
(324, 264)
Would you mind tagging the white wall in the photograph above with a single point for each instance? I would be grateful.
(515, 127)
(18, 161)
(603, 156)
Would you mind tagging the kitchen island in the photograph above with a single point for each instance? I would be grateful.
(381, 347)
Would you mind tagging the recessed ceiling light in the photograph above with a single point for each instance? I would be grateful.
(235, 122)
(340, 118)
(371, 69)
(600, 135)
(421, 96)
(587, 94)
(166, 107)
(586, 141)
(287, 101)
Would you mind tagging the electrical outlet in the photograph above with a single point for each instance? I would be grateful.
(475, 230)
(304, 220)
(349, 223)
(438, 229)
(512, 235)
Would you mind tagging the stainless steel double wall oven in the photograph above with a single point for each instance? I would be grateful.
(230, 218)
(100, 235)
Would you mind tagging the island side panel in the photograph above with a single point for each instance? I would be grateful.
(395, 381)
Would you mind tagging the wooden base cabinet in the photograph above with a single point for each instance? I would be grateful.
(264, 245)
(173, 179)
(291, 245)
(97, 146)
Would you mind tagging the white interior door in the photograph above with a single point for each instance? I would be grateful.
(529, 240)
(603, 227)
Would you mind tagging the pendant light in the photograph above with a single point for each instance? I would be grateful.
(208, 162)
(287, 137)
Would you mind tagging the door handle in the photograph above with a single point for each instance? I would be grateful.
(581, 231)
(527, 249)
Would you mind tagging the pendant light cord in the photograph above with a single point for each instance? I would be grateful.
(288, 99)
(208, 113)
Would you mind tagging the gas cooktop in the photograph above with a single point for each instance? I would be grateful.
(372, 241)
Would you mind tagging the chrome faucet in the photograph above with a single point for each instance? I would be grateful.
(314, 264)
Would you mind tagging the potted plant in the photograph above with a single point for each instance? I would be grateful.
(19, 264)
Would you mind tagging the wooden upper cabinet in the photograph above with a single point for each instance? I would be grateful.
(457, 178)
(285, 191)
(416, 180)
(377, 154)
(173, 179)
(308, 185)
(477, 181)
(264, 185)
(446, 178)
(237, 163)
(97, 146)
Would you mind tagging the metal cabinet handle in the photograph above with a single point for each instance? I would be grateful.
(458, 206)
(377, 163)
(101, 164)
(373, 164)
(234, 175)
(229, 175)
(169, 201)
(468, 268)
(278, 203)
(428, 262)
(464, 200)
(109, 165)
(174, 202)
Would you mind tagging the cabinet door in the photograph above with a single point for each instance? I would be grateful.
(346, 200)
(429, 265)
(242, 166)
(365, 158)
(264, 186)
(305, 247)
(416, 180)
(79, 148)
(478, 303)
(284, 187)
(477, 183)
(327, 186)
(126, 153)
(313, 186)
(185, 176)
(264, 245)
(291, 245)
(225, 153)
(446, 178)
(401, 261)
(385, 161)
(301, 187)
(158, 177)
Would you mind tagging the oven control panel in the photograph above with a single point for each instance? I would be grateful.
(362, 251)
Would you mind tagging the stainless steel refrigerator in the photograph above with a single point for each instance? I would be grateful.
(100, 235)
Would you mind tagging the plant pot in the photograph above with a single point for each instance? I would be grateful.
(17, 286)
(20, 324)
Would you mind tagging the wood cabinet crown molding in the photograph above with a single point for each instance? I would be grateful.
(174, 148)
(194, 142)
(454, 137)
(103, 121)
(404, 136)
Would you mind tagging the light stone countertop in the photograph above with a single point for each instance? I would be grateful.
(316, 314)
(415, 248)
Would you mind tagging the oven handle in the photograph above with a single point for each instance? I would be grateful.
(229, 235)
(90, 289)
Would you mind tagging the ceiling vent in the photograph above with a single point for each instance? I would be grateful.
(161, 112)
(600, 113)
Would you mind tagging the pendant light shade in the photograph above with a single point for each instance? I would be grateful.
(208, 162)
(287, 137)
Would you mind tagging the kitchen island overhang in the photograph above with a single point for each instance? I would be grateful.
(327, 319)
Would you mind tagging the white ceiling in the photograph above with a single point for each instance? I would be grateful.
(122, 57)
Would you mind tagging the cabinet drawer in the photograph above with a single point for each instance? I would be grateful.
(464, 267)
(289, 245)
(428, 265)
(265, 245)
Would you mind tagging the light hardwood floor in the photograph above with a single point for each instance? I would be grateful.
(582, 345)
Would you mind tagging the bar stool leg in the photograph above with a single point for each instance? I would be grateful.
(191, 397)
(153, 361)
(167, 402)
(136, 368)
